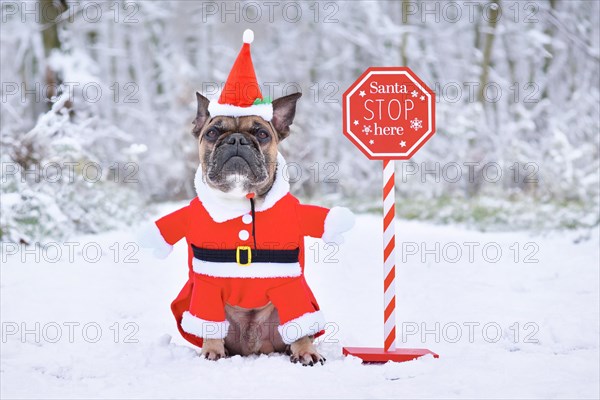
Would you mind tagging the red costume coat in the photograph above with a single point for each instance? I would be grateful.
(216, 221)
(199, 307)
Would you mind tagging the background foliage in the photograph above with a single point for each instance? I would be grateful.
(517, 86)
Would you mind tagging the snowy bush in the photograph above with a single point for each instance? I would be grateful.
(52, 187)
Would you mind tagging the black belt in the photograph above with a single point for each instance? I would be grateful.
(244, 255)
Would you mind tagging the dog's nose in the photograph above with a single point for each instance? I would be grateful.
(237, 138)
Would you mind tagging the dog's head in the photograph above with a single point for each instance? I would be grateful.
(239, 154)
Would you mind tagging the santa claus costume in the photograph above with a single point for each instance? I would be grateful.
(241, 251)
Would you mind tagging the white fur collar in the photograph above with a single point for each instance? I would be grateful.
(223, 207)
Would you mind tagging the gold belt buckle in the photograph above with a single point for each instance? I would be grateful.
(237, 255)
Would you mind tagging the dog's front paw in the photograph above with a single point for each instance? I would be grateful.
(304, 351)
(308, 358)
(213, 349)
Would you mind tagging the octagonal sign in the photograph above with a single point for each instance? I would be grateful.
(389, 113)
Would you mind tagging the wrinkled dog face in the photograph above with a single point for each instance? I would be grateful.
(239, 154)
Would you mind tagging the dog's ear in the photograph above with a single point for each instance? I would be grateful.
(284, 110)
(202, 115)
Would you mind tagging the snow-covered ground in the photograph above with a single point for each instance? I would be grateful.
(525, 325)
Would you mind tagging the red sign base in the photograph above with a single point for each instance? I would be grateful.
(378, 355)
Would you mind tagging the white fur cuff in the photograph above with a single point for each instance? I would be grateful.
(150, 237)
(305, 325)
(338, 220)
(203, 328)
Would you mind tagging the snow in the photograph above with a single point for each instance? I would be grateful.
(559, 294)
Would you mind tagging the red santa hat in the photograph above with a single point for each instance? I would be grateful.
(241, 94)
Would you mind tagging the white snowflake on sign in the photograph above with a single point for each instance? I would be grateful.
(414, 93)
(416, 124)
(371, 141)
(366, 129)
(362, 93)
(422, 98)
(355, 122)
(403, 144)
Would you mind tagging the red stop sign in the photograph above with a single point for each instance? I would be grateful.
(389, 113)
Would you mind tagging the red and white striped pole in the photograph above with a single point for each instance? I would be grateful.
(389, 257)
(389, 351)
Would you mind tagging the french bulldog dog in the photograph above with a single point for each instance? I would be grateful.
(246, 293)
(240, 156)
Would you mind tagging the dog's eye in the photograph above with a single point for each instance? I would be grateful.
(262, 135)
(212, 133)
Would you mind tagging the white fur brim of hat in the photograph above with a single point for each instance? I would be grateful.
(265, 111)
